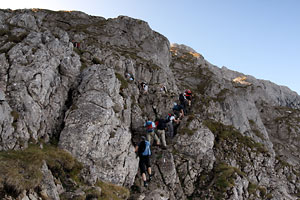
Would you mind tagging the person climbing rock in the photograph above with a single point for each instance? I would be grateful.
(144, 88)
(144, 152)
(129, 77)
(76, 44)
(163, 89)
(178, 110)
(170, 119)
(188, 95)
(183, 102)
(150, 125)
(176, 123)
(161, 127)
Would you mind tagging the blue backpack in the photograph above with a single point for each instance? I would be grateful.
(147, 151)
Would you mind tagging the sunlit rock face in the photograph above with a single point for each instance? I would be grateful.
(74, 80)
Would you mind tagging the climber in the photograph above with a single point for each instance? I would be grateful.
(129, 77)
(144, 87)
(188, 95)
(144, 152)
(150, 125)
(170, 119)
(178, 110)
(176, 123)
(163, 89)
(161, 127)
(183, 102)
(76, 44)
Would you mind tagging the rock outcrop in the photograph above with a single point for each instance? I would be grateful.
(73, 81)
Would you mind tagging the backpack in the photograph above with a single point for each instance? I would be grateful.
(167, 119)
(147, 151)
(149, 125)
(181, 98)
(177, 107)
(161, 124)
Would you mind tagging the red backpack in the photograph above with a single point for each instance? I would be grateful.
(149, 126)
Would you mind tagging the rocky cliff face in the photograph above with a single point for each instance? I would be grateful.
(63, 81)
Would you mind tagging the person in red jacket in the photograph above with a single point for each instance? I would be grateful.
(188, 95)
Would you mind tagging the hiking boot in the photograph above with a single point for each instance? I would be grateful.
(150, 178)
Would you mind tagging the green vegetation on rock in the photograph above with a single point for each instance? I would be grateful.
(124, 83)
(21, 170)
(225, 133)
(224, 176)
(112, 192)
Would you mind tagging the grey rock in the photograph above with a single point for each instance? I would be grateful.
(47, 184)
(157, 195)
(94, 133)
(25, 20)
(51, 89)
(2, 96)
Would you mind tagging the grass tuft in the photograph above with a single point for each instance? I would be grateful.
(97, 61)
(112, 192)
(229, 134)
(21, 170)
(124, 83)
(187, 131)
(224, 176)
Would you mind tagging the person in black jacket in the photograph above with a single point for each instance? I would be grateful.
(183, 102)
(144, 152)
(178, 110)
(161, 127)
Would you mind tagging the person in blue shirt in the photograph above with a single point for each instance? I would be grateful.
(144, 153)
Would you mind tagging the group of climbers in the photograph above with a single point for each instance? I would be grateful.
(159, 127)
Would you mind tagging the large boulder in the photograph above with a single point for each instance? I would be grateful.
(96, 133)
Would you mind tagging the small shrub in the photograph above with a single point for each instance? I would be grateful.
(187, 131)
(191, 117)
(17, 39)
(155, 67)
(4, 32)
(251, 122)
(270, 196)
(74, 107)
(78, 51)
(262, 191)
(124, 83)
(224, 176)
(83, 64)
(258, 134)
(97, 61)
(112, 192)
(252, 188)
(15, 115)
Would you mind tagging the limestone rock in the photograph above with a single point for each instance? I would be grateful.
(94, 133)
(64, 79)
(48, 186)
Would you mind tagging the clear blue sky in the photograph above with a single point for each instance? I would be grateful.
(255, 37)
